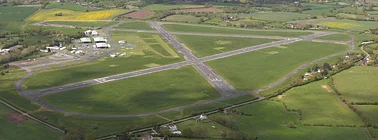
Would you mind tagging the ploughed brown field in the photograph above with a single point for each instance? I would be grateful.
(139, 14)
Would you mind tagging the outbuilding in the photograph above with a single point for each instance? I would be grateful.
(99, 40)
(85, 40)
(102, 45)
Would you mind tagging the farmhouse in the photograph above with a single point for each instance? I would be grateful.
(91, 32)
(102, 45)
(85, 40)
(94, 33)
(99, 40)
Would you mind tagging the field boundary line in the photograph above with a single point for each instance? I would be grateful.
(31, 117)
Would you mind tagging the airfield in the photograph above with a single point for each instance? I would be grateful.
(172, 71)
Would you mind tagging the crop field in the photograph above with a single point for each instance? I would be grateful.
(355, 84)
(49, 14)
(269, 121)
(69, 6)
(182, 18)
(27, 129)
(135, 26)
(12, 26)
(257, 69)
(337, 37)
(324, 108)
(141, 57)
(370, 112)
(161, 7)
(79, 23)
(206, 45)
(342, 24)
(318, 9)
(207, 29)
(275, 16)
(139, 14)
(16, 13)
(162, 90)
(201, 10)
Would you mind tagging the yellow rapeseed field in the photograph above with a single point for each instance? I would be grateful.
(343, 25)
(75, 15)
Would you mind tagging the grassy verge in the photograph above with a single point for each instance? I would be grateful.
(135, 25)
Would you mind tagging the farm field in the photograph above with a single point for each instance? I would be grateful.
(25, 129)
(161, 7)
(16, 13)
(182, 18)
(139, 14)
(163, 90)
(63, 30)
(145, 43)
(205, 10)
(12, 26)
(262, 121)
(318, 9)
(342, 24)
(49, 14)
(337, 37)
(324, 108)
(208, 45)
(135, 25)
(257, 69)
(275, 16)
(207, 29)
(79, 23)
(370, 112)
(355, 84)
(69, 6)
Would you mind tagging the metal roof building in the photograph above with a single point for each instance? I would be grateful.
(85, 40)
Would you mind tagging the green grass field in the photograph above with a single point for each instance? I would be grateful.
(142, 57)
(370, 112)
(276, 16)
(9, 94)
(68, 6)
(61, 76)
(182, 18)
(208, 29)
(106, 126)
(135, 25)
(342, 24)
(208, 45)
(320, 105)
(29, 129)
(80, 23)
(146, 93)
(16, 13)
(318, 9)
(356, 84)
(337, 37)
(268, 120)
(161, 7)
(257, 69)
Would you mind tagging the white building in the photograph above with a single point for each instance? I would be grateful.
(94, 33)
(99, 40)
(53, 48)
(102, 45)
(88, 32)
(85, 40)
(122, 42)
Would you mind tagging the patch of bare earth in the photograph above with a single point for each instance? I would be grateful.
(280, 96)
(139, 14)
(327, 88)
(200, 10)
(16, 118)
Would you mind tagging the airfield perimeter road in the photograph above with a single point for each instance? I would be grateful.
(225, 89)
